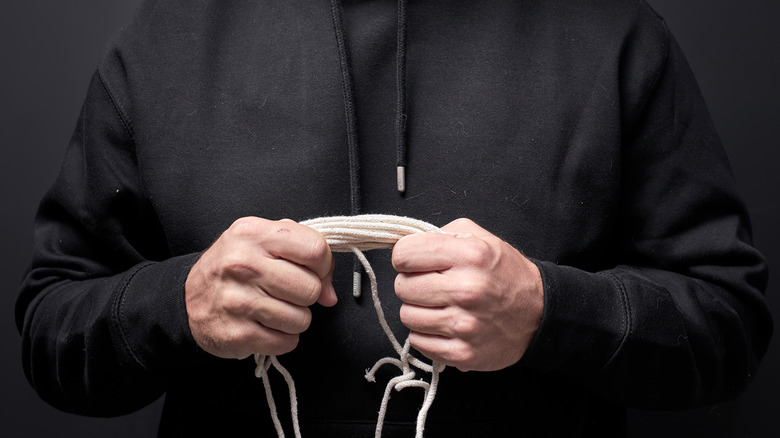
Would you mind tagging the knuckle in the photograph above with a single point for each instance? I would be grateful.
(304, 321)
(236, 304)
(310, 291)
(399, 286)
(464, 326)
(471, 291)
(403, 313)
(318, 249)
(462, 221)
(404, 248)
(236, 263)
(463, 355)
(235, 300)
(245, 226)
(274, 343)
(283, 344)
(233, 339)
(250, 305)
(221, 300)
(476, 252)
(293, 321)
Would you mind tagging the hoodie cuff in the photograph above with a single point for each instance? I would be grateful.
(585, 321)
(151, 316)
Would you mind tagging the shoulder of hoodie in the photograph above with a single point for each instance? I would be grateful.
(159, 26)
(614, 21)
(164, 26)
(627, 34)
(156, 34)
(630, 32)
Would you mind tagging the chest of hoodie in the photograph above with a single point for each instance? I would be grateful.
(509, 122)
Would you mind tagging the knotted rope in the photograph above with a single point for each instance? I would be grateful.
(357, 234)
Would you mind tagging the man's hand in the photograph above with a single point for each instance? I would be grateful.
(251, 291)
(471, 300)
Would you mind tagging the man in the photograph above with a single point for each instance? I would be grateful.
(605, 260)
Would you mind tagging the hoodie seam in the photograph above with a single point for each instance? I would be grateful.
(625, 320)
(119, 311)
(126, 121)
(662, 68)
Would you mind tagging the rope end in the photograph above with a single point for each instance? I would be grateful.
(401, 176)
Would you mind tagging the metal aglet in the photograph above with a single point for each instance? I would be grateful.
(401, 173)
(356, 280)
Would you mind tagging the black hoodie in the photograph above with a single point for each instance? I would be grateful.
(573, 129)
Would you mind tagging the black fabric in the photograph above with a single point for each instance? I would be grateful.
(573, 130)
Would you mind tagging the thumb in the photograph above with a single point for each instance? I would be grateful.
(328, 297)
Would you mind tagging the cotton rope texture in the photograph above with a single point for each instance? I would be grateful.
(357, 234)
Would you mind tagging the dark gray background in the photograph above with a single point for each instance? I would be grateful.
(49, 49)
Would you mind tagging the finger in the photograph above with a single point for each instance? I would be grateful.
(429, 289)
(290, 241)
(424, 252)
(328, 295)
(447, 351)
(273, 342)
(240, 339)
(278, 315)
(303, 245)
(288, 281)
(439, 321)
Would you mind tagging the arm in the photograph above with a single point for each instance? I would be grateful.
(101, 316)
(680, 320)
(109, 316)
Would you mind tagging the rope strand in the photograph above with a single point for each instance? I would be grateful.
(357, 234)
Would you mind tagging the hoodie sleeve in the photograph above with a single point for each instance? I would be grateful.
(102, 316)
(681, 320)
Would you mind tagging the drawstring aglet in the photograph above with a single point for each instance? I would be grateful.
(401, 174)
(356, 280)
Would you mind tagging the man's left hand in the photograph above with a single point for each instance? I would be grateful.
(471, 300)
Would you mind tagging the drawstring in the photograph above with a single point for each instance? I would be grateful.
(352, 136)
(351, 117)
(349, 108)
(400, 88)
(349, 102)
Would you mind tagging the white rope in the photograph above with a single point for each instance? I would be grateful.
(357, 234)
(261, 372)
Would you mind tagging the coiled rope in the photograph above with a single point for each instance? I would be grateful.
(357, 234)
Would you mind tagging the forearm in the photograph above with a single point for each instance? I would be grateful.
(106, 346)
(649, 338)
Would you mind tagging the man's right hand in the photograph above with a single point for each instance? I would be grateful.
(250, 292)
